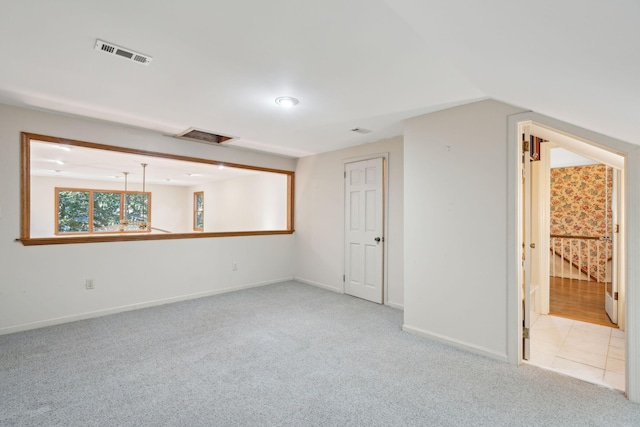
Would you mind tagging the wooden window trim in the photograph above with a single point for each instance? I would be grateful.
(91, 192)
(25, 198)
(196, 211)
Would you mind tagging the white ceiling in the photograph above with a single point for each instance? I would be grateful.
(219, 65)
(74, 162)
(561, 158)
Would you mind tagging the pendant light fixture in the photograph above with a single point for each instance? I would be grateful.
(124, 221)
(143, 225)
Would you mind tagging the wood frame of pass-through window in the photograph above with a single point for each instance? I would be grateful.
(25, 197)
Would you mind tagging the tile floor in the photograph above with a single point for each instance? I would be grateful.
(581, 350)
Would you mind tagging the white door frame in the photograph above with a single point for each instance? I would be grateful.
(631, 236)
(385, 225)
(618, 262)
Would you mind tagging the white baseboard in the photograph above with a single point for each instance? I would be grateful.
(136, 306)
(318, 284)
(472, 348)
(394, 305)
(340, 290)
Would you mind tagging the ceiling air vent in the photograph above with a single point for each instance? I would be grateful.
(122, 52)
(363, 131)
(204, 136)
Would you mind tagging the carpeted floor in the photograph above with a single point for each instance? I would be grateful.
(286, 354)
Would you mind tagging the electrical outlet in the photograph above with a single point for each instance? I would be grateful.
(88, 283)
(234, 266)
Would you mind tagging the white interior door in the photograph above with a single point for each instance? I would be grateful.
(611, 288)
(364, 220)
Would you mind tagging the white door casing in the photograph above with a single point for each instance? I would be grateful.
(611, 289)
(526, 248)
(364, 225)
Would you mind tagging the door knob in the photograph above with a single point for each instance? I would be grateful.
(377, 239)
(532, 245)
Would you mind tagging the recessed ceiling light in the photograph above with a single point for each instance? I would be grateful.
(286, 101)
(194, 174)
(220, 167)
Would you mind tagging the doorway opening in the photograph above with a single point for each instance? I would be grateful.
(583, 206)
(572, 257)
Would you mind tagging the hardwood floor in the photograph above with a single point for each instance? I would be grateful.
(578, 300)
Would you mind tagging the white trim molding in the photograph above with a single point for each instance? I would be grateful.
(394, 305)
(472, 348)
(336, 289)
(130, 307)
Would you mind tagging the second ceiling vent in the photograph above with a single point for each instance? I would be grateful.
(362, 131)
(204, 136)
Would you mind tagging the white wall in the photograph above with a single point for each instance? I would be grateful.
(245, 203)
(41, 285)
(319, 219)
(455, 218)
(168, 208)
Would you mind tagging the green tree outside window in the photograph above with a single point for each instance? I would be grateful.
(106, 210)
(73, 211)
(95, 211)
(198, 211)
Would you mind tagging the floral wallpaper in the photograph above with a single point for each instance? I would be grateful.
(580, 207)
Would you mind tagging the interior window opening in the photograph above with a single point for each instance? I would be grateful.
(78, 192)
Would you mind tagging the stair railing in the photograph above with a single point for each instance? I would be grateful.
(581, 256)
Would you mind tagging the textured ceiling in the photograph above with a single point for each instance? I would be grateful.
(219, 65)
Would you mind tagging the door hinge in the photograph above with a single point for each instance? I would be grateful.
(615, 296)
(345, 174)
(344, 278)
(525, 333)
(616, 229)
(525, 146)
